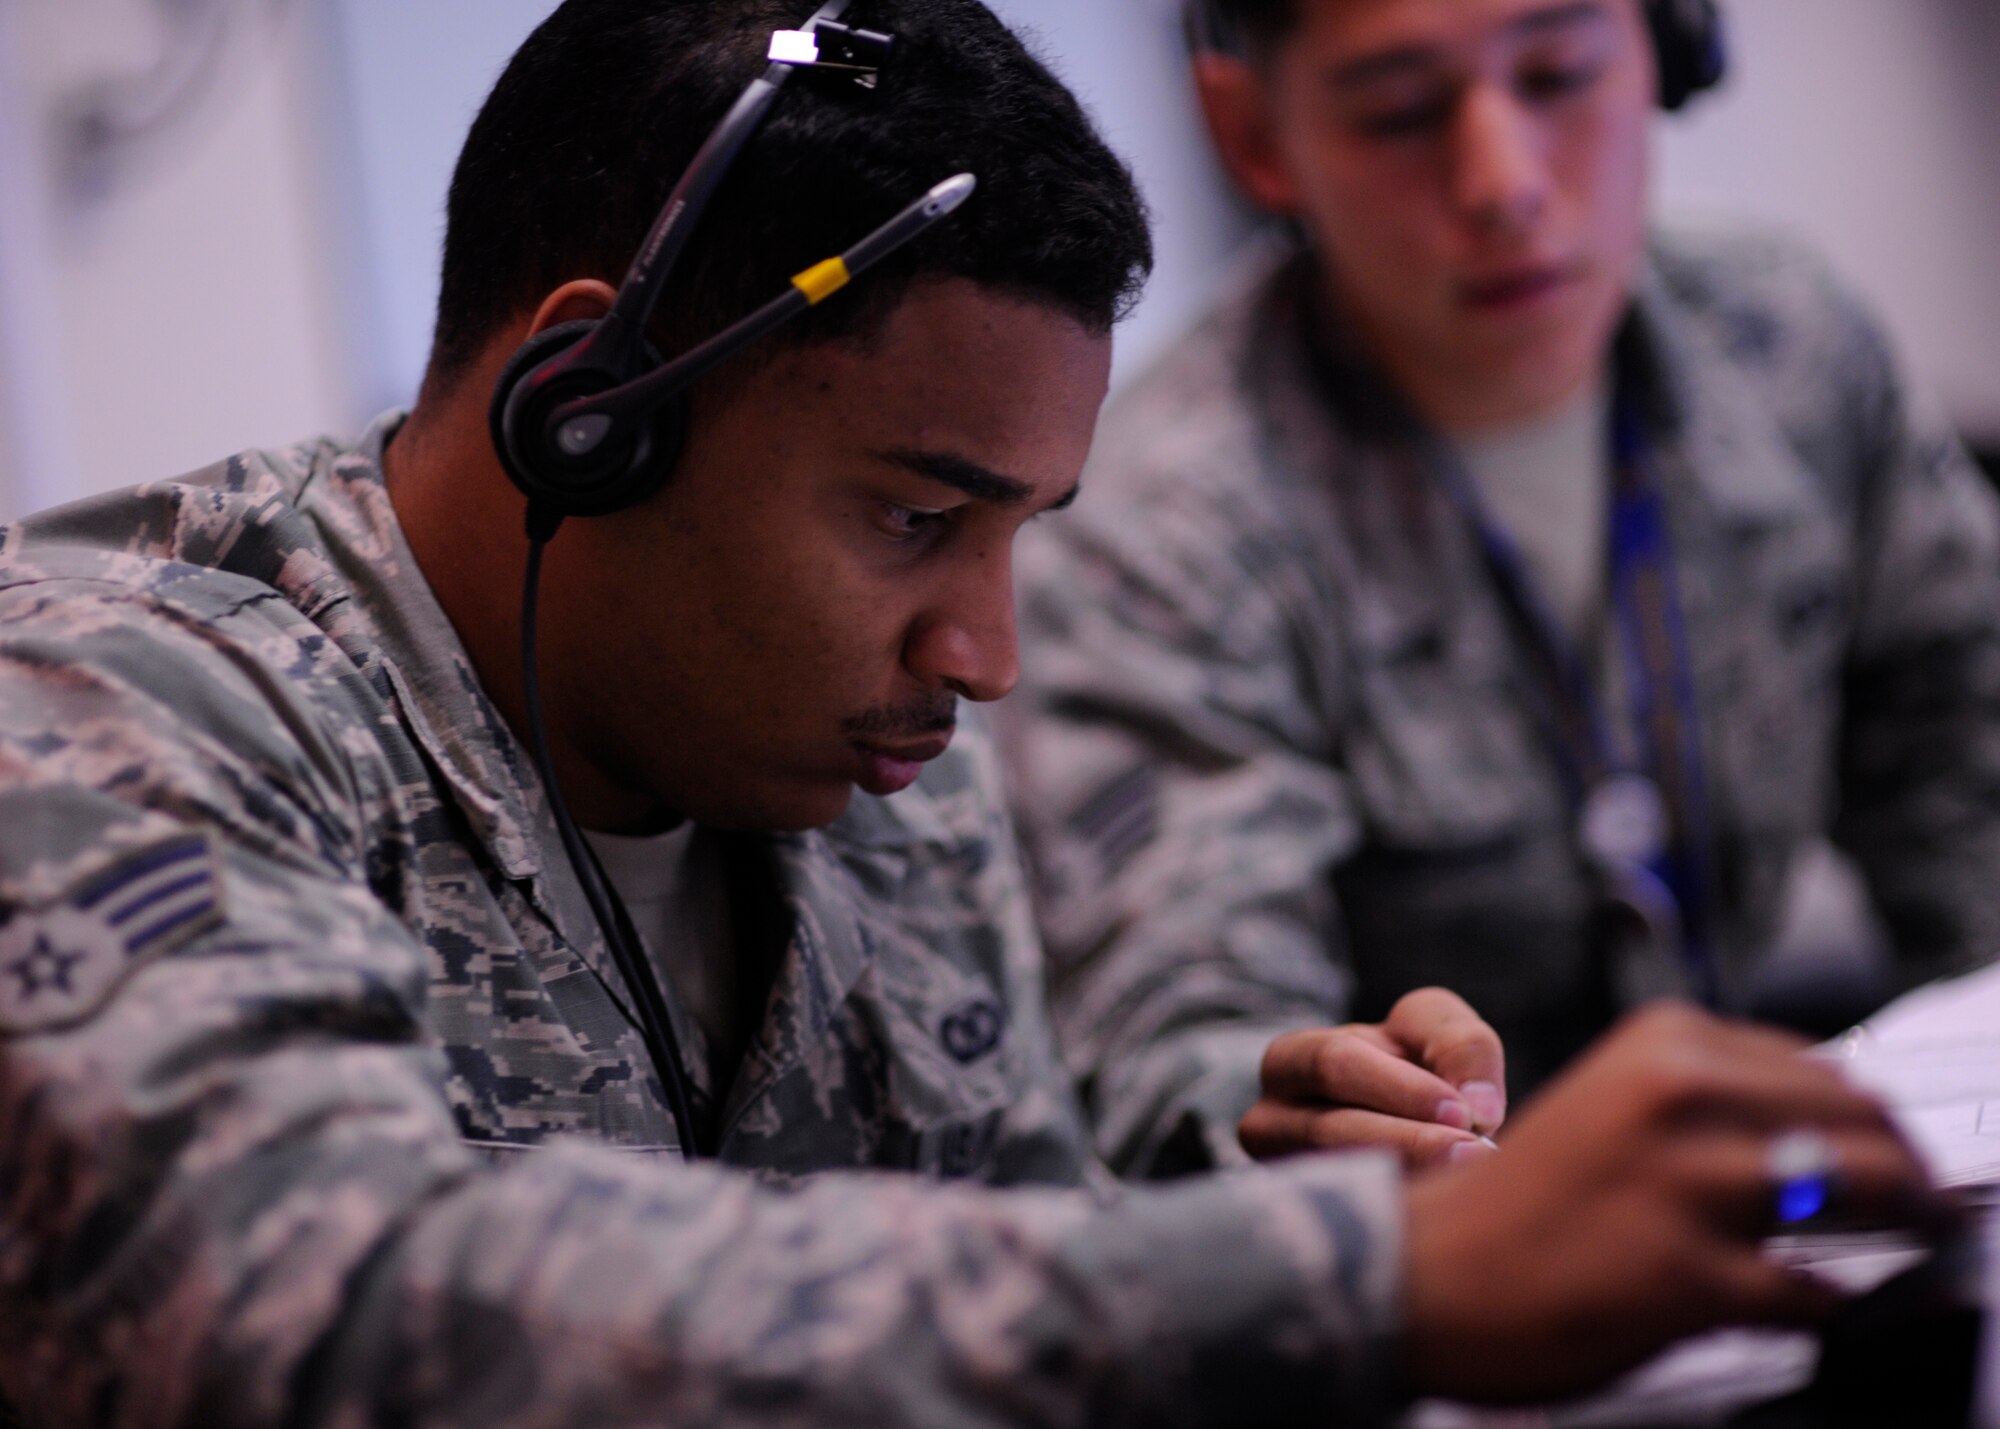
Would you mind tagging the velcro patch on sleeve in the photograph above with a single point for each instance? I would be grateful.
(61, 961)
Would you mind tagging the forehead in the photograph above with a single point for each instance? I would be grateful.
(1012, 384)
(1359, 24)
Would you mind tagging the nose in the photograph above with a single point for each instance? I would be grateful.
(966, 642)
(1500, 176)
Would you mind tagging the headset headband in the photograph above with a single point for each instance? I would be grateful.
(573, 432)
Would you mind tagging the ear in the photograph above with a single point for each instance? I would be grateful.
(1236, 100)
(578, 298)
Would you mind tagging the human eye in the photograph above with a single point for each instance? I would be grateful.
(1558, 81)
(1406, 117)
(1565, 66)
(909, 524)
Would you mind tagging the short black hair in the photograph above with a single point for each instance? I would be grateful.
(602, 109)
(1257, 24)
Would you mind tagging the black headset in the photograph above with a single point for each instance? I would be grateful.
(588, 419)
(1688, 42)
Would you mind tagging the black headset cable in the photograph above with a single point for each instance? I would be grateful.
(654, 1023)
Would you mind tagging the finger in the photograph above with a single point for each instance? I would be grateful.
(1485, 1101)
(1700, 1068)
(1274, 1129)
(1808, 1075)
(1786, 1092)
(1873, 1181)
(1747, 1287)
(1374, 1036)
(1755, 1036)
(1342, 1066)
(1441, 1031)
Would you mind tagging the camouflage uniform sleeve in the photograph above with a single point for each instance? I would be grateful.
(1920, 743)
(1184, 811)
(232, 1193)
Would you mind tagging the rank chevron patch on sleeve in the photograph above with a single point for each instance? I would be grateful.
(60, 962)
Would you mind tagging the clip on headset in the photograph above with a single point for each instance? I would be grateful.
(586, 421)
(829, 45)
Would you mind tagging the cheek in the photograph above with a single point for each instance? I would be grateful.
(804, 628)
(1606, 168)
(1380, 216)
(1377, 227)
(1390, 262)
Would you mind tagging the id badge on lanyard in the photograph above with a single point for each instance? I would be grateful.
(1642, 819)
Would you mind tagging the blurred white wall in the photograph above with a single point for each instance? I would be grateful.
(1873, 127)
(1124, 58)
(409, 76)
(267, 269)
(31, 469)
(189, 308)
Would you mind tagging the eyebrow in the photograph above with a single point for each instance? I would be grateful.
(969, 477)
(1368, 69)
(1559, 17)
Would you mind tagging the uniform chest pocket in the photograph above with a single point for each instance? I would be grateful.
(1769, 676)
(1465, 846)
(956, 1147)
(950, 1080)
(1442, 760)
(498, 1155)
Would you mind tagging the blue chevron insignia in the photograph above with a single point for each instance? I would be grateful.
(61, 962)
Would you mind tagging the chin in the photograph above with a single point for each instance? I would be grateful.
(1552, 356)
(781, 809)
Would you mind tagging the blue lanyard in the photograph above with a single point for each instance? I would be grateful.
(1652, 639)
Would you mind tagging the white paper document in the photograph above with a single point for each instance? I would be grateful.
(1934, 1057)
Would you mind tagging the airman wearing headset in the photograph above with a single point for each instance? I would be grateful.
(1498, 591)
(345, 1079)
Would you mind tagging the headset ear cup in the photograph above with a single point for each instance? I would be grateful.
(1207, 31)
(559, 485)
(1689, 47)
(510, 442)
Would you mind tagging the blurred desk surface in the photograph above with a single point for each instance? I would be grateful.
(1934, 1057)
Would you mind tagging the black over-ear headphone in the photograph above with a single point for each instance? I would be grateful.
(1688, 41)
(588, 419)
(1689, 44)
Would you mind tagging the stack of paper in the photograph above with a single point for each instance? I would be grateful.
(1934, 1057)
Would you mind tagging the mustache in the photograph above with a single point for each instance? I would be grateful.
(933, 716)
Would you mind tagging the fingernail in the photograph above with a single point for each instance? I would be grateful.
(1470, 1151)
(1453, 1113)
(1488, 1103)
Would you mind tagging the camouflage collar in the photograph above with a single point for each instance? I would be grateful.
(1716, 434)
(824, 878)
(433, 677)
(1713, 433)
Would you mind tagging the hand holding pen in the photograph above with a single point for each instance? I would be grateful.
(1428, 1082)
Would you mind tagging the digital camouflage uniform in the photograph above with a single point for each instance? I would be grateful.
(316, 1108)
(1278, 755)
